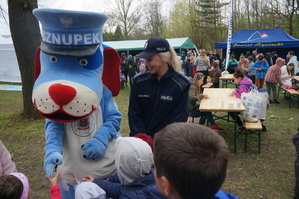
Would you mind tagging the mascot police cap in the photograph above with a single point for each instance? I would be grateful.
(70, 33)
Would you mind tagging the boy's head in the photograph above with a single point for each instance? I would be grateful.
(133, 159)
(190, 161)
(260, 57)
(216, 64)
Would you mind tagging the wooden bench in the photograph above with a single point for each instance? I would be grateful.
(207, 85)
(293, 93)
(254, 128)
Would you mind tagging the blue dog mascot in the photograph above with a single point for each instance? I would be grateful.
(82, 117)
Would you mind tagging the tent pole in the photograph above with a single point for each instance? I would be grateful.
(196, 51)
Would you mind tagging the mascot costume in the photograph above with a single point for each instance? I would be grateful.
(82, 118)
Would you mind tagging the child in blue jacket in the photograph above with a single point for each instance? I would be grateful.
(260, 66)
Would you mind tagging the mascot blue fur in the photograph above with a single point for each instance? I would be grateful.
(83, 120)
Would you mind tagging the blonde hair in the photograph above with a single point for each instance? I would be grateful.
(196, 77)
(171, 59)
(203, 55)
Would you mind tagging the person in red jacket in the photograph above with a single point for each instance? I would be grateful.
(55, 189)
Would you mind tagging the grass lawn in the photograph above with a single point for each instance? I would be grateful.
(250, 176)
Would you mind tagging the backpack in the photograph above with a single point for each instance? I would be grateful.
(194, 70)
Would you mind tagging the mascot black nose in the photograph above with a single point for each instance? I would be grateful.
(62, 94)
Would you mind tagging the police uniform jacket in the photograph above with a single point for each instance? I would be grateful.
(155, 104)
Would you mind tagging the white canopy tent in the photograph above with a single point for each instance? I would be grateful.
(9, 67)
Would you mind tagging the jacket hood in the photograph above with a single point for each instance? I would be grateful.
(133, 159)
(280, 62)
(89, 190)
(246, 81)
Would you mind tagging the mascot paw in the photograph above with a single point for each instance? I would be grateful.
(51, 163)
(95, 149)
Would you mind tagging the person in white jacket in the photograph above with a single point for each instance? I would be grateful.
(7, 165)
(287, 74)
(293, 59)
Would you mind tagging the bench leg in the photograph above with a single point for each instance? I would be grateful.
(259, 141)
(255, 132)
(290, 100)
(245, 142)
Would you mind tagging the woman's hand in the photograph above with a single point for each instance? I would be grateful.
(205, 96)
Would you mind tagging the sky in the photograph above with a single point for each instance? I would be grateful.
(84, 5)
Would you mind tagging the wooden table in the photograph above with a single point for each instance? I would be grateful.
(221, 100)
(225, 78)
(297, 78)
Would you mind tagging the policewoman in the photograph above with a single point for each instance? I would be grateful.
(159, 96)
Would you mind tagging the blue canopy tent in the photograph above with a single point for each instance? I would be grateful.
(262, 40)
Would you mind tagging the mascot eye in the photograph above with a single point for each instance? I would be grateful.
(53, 59)
(83, 62)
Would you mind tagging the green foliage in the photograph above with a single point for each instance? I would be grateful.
(118, 36)
(202, 21)
(108, 36)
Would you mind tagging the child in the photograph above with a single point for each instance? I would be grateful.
(194, 97)
(55, 189)
(261, 66)
(134, 178)
(243, 86)
(89, 190)
(141, 67)
(190, 162)
(215, 73)
(14, 186)
(7, 164)
(86, 190)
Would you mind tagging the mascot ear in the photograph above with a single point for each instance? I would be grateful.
(111, 71)
(36, 63)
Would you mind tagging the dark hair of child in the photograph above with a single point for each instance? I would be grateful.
(260, 57)
(239, 73)
(10, 187)
(192, 157)
(250, 58)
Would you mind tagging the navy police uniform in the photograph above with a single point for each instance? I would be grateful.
(155, 104)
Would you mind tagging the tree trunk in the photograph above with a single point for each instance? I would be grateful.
(26, 38)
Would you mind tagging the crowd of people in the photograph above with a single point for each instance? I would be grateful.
(164, 156)
(255, 66)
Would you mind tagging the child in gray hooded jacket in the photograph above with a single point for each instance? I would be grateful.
(135, 176)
